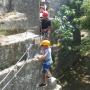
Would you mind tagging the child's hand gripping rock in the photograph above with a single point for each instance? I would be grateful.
(38, 58)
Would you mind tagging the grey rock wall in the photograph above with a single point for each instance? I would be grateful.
(14, 21)
(9, 54)
(13, 47)
(55, 6)
(30, 8)
(28, 78)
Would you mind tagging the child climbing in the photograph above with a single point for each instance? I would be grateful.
(46, 59)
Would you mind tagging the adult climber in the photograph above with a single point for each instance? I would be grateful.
(45, 27)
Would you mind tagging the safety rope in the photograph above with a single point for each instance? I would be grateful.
(17, 71)
(16, 63)
(14, 75)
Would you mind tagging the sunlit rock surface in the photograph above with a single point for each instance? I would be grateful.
(13, 20)
(25, 14)
(12, 47)
(28, 78)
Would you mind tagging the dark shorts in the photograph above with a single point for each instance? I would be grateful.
(46, 67)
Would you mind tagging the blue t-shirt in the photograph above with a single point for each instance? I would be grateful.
(48, 58)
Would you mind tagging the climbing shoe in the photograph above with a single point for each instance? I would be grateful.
(42, 85)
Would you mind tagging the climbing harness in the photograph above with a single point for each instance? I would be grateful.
(45, 35)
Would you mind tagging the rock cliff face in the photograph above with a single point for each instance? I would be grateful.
(28, 8)
(28, 78)
(13, 21)
(12, 47)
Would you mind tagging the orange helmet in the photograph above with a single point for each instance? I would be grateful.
(45, 43)
(45, 13)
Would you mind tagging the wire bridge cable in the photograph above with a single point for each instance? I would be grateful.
(15, 64)
(15, 73)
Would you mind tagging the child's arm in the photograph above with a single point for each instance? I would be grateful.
(42, 57)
